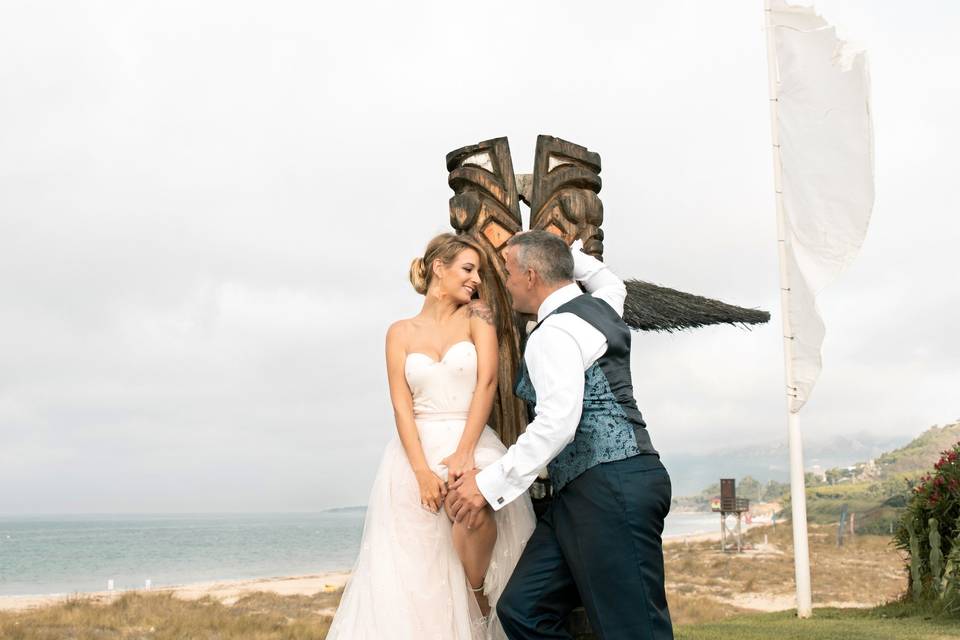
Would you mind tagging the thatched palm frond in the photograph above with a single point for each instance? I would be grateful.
(650, 307)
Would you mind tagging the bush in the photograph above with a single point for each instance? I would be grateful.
(929, 532)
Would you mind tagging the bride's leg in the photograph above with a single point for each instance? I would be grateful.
(474, 548)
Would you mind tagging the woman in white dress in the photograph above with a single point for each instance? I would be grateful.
(419, 575)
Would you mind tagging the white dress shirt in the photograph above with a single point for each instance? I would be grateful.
(557, 355)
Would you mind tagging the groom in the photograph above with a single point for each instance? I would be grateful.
(599, 542)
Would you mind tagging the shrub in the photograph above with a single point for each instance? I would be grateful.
(929, 532)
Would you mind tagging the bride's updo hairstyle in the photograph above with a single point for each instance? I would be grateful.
(445, 247)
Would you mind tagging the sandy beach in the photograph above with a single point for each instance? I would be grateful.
(705, 536)
(226, 591)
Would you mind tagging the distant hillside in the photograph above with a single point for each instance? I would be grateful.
(919, 454)
(874, 489)
(877, 490)
(770, 460)
(355, 509)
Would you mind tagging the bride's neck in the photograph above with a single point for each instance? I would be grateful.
(437, 307)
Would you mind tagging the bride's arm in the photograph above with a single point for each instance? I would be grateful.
(432, 488)
(484, 337)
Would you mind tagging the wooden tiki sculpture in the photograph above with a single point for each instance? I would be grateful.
(562, 195)
(485, 205)
(563, 198)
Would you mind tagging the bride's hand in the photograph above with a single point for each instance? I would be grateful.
(432, 490)
(458, 463)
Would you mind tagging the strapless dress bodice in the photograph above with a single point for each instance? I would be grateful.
(443, 389)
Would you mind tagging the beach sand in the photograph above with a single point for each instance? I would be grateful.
(226, 591)
(712, 536)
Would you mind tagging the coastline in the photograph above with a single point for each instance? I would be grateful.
(705, 583)
(229, 591)
(225, 591)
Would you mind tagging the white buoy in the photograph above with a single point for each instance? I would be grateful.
(110, 584)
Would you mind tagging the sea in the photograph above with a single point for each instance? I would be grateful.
(48, 554)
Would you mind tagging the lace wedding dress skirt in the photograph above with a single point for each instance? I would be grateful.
(408, 583)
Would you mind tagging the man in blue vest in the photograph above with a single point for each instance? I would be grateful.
(599, 542)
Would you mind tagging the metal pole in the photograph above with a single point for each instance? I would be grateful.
(798, 501)
(798, 496)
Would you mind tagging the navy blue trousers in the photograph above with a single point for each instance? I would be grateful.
(597, 545)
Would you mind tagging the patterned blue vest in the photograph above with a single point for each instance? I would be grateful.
(611, 427)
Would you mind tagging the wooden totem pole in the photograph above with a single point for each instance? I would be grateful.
(562, 196)
(485, 205)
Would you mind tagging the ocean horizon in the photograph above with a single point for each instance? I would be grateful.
(76, 553)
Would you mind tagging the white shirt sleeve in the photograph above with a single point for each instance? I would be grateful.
(555, 364)
(597, 279)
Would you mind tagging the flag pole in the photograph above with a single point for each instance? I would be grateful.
(798, 496)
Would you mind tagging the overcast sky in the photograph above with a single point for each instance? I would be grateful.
(207, 211)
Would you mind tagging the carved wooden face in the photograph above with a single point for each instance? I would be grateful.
(461, 278)
(561, 192)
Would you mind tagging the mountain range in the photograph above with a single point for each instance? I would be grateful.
(691, 473)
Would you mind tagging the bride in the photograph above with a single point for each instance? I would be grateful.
(419, 575)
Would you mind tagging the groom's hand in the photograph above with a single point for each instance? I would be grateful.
(468, 502)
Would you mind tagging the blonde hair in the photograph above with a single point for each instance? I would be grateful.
(444, 247)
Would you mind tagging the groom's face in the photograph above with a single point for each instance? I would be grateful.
(519, 283)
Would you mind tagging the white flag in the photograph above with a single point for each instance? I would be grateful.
(826, 154)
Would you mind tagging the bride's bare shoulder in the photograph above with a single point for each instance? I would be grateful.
(400, 330)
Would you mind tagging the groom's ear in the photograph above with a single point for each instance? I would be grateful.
(532, 277)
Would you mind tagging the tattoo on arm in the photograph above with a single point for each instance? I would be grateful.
(479, 309)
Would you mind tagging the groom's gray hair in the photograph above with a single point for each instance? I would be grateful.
(545, 253)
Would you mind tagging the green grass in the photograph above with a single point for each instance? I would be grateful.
(892, 622)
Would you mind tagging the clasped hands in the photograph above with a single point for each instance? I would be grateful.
(465, 503)
(433, 489)
(463, 499)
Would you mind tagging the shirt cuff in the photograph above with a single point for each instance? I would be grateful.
(495, 488)
(584, 266)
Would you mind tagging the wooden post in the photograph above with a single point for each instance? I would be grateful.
(739, 534)
(723, 531)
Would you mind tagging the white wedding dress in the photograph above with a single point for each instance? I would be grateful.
(408, 583)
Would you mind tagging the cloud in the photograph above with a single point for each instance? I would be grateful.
(208, 211)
